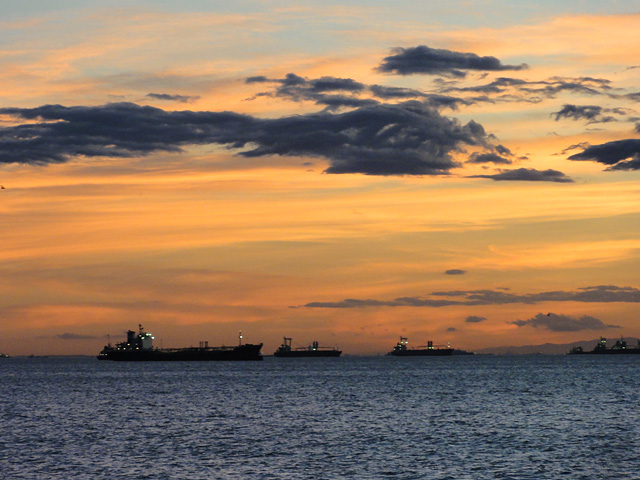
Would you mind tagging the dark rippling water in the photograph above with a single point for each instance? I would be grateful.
(479, 417)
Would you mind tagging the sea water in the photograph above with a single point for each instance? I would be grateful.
(466, 417)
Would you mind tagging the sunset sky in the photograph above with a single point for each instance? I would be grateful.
(347, 172)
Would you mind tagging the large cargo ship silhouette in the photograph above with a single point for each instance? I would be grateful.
(402, 350)
(313, 350)
(620, 348)
(139, 348)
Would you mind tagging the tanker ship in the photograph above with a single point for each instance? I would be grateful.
(313, 350)
(402, 350)
(139, 348)
(620, 348)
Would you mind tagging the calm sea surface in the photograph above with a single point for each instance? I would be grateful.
(478, 417)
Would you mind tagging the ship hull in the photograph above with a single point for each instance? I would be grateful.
(628, 351)
(435, 352)
(308, 354)
(245, 352)
(620, 348)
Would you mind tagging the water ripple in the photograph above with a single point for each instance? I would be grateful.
(372, 417)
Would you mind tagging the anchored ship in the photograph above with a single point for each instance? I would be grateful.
(139, 348)
(313, 350)
(402, 350)
(620, 348)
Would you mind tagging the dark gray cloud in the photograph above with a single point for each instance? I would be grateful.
(621, 111)
(595, 294)
(330, 84)
(257, 79)
(440, 101)
(409, 138)
(619, 155)
(433, 99)
(425, 60)
(389, 93)
(528, 175)
(475, 319)
(322, 84)
(336, 102)
(592, 113)
(479, 158)
(588, 112)
(502, 150)
(563, 323)
(172, 98)
(332, 92)
(455, 271)
(581, 145)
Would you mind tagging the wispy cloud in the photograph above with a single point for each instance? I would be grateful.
(71, 336)
(528, 175)
(563, 323)
(455, 271)
(335, 93)
(507, 89)
(172, 97)
(75, 336)
(596, 294)
(475, 319)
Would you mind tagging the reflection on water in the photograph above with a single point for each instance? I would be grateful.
(536, 417)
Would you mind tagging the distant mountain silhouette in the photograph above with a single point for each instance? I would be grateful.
(551, 348)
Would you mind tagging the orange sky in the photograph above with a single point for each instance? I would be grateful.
(196, 241)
